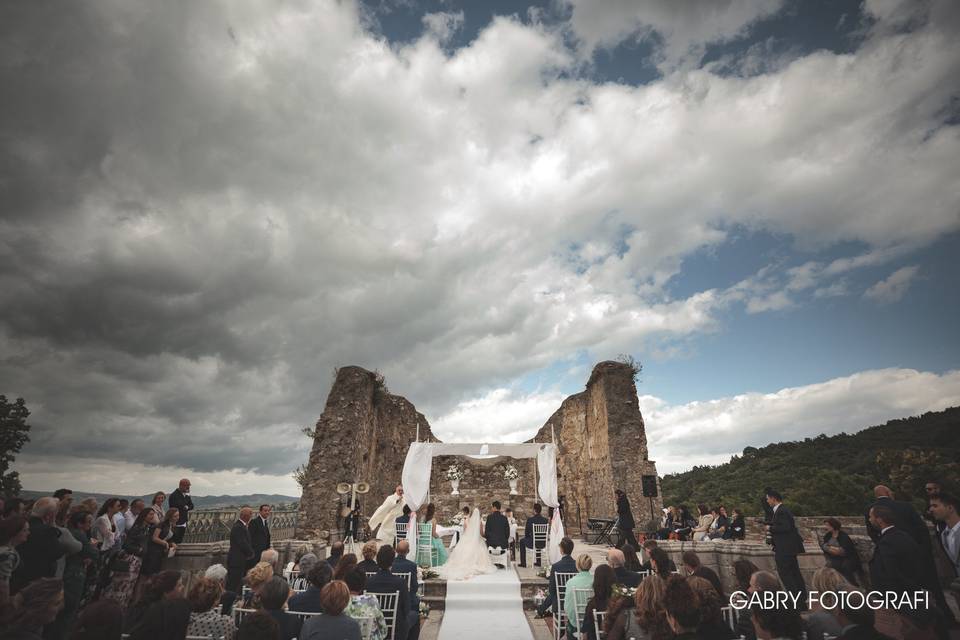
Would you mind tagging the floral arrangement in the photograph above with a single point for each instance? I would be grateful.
(424, 609)
(624, 592)
(456, 520)
(428, 574)
(454, 473)
(511, 473)
(540, 597)
(542, 573)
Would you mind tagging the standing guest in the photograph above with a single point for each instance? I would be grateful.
(646, 620)
(932, 488)
(100, 620)
(566, 564)
(40, 552)
(856, 623)
(693, 566)
(126, 567)
(273, 598)
(259, 575)
(63, 512)
(347, 562)
(166, 585)
(625, 519)
(336, 552)
(104, 528)
(181, 501)
(682, 606)
(736, 530)
(258, 625)
(787, 545)
(402, 565)
(120, 520)
(630, 559)
(308, 601)
(625, 577)
(820, 621)
(14, 531)
(60, 494)
(712, 625)
(259, 530)
(14, 507)
(89, 505)
(164, 620)
(369, 562)
(365, 606)
(218, 573)
(945, 508)
(526, 542)
(161, 542)
(130, 515)
(240, 553)
(204, 595)
(156, 503)
(704, 521)
(334, 623)
(648, 547)
(603, 580)
(35, 607)
(386, 582)
(583, 580)
(660, 563)
(77, 568)
(840, 552)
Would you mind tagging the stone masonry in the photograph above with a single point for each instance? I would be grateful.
(364, 434)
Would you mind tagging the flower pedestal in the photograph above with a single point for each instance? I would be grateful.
(456, 487)
(513, 487)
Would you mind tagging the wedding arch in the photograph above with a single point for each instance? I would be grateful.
(418, 466)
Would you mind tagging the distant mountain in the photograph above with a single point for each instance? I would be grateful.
(200, 502)
(831, 475)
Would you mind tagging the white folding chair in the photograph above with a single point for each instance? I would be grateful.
(730, 617)
(406, 575)
(425, 548)
(500, 556)
(598, 617)
(580, 598)
(401, 532)
(238, 614)
(559, 613)
(388, 605)
(370, 573)
(643, 574)
(366, 626)
(540, 532)
(303, 615)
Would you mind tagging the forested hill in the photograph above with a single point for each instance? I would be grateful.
(831, 475)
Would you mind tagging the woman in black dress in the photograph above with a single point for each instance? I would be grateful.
(840, 551)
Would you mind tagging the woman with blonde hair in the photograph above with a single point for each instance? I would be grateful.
(820, 621)
(369, 562)
(259, 575)
(646, 620)
(583, 580)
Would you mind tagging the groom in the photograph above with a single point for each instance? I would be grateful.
(497, 529)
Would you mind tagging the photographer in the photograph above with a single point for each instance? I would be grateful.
(787, 545)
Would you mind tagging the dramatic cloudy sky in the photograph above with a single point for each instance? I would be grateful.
(207, 206)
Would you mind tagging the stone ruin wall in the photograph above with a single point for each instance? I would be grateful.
(364, 434)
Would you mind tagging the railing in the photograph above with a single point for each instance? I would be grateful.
(214, 525)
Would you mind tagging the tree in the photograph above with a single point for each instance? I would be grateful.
(13, 435)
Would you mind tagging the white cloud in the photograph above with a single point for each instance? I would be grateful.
(501, 415)
(443, 25)
(709, 432)
(893, 287)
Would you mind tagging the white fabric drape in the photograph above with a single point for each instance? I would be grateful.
(556, 534)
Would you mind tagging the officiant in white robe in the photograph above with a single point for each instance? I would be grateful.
(386, 515)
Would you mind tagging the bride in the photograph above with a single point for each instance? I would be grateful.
(470, 556)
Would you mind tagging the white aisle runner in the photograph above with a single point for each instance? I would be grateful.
(485, 607)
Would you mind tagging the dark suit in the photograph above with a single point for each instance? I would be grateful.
(184, 504)
(735, 530)
(646, 566)
(497, 530)
(527, 541)
(333, 560)
(239, 555)
(386, 582)
(259, 536)
(401, 564)
(626, 523)
(368, 566)
(289, 625)
(862, 632)
(711, 576)
(626, 577)
(306, 601)
(566, 564)
(38, 555)
(787, 545)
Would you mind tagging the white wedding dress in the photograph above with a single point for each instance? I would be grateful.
(470, 557)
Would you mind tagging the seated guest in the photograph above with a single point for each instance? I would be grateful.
(705, 520)
(712, 625)
(403, 518)
(309, 601)
(646, 620)
(682, 606)
(839, 550)
(583, 580)
(34, 607)
(164, 620)
(218, 573)
(369, 562)
(776, 622)
(736, 530)
(759, 581)
(660, 563)
(630, 560)
(273, 597)
(820, 621)
(365, 606)
(693, 567)
(648, 546)
(165, 585)
(856, 624)
(204, 619)
(41, 550)
(14, 531)
(666, 523)
(336, 552)
(100, 620)
(603, 580)
(258, 576)
(720, 522)
(345, 566)
(627, 578)
(334, 623)
(683, 523)
(526, 542)
(271, 557)
(386, 582)
(566, 564)
(402, 565)
(258, 626)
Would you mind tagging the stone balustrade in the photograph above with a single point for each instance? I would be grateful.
(213, 525)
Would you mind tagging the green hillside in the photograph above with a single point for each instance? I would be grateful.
(831, 475)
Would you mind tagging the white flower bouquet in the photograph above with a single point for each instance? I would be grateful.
(511, 473)
(454, 473)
